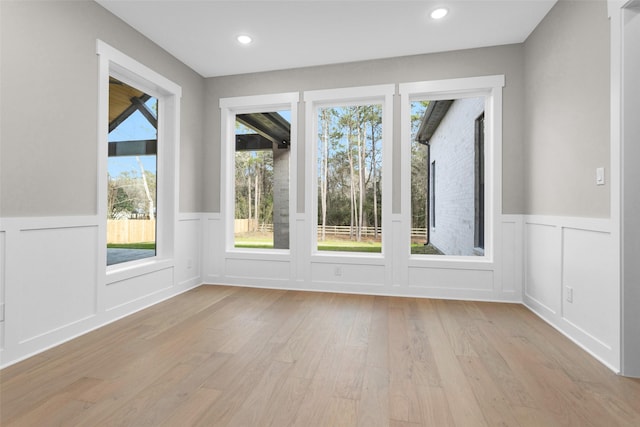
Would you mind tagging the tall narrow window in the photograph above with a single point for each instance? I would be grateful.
(452, 138)
(132, 174)
(349, 173)
(449, 133)
(479, 183)
(262, 159)
(138, 160)
(258, 171)
(349, 197)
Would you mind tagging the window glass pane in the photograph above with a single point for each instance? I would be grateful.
(131, 168)
(447, 177)
(262, 151)
(349, 171)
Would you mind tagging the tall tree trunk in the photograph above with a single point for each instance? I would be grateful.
(249, 200)
(256, 207)
(352, 198)
(360, 176)
(146, 188)
(375, 180)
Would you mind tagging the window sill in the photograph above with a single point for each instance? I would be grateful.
(259, 254)
(451, 262)
(339, 257)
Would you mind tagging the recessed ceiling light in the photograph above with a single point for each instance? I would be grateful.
(244, 39)
(439, 13)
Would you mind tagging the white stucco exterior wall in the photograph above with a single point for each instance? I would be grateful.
(452, 149)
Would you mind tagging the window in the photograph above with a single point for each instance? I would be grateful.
(131, 174)
(452, 157)
(139, 116)
(448, 130)
(262, 159)
(351, 168)
(349, 178)
(258, 151)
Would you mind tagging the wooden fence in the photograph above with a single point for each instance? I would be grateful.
(245, 226)
(344, 230)
(341, 230)
(131, 230)
(144, 230)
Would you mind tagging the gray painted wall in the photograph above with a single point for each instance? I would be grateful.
(507, 60)
(49, 87)
(49, 108)
(567, 111)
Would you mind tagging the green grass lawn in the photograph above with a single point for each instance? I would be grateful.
(344, 245)
(421, 249)
(265, 241)
(254, 245)
(254, 241)
(350, 246)
(139, 245)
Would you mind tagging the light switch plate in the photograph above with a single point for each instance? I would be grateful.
(599, 176)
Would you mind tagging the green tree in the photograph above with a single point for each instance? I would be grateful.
(419, 169)
(349, 164)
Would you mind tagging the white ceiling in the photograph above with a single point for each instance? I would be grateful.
(291, 34)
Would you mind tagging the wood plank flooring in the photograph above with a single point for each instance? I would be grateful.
(225, 356)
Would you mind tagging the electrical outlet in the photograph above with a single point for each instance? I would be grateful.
(337, 271)
(189, 264)
(1, 312)
(569, 294)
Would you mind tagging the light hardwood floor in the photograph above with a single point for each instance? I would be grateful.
(218, 356)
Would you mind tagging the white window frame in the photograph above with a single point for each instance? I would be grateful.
(378, 94)
(229, 108)
(489, 87)
(116, 64)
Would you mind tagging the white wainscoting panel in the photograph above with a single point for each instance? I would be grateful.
(512, 248)
(587, 268)
(189, 250)
(391, 274)
(58, 279)
(50, 282)
(543, 266)
(55, 287)
(131, 292)
(213, 248)
(564, 254)
(2, 281)
(258, 270)
(364, 275)
(302, 254)
(399, 267)
(445, 279)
